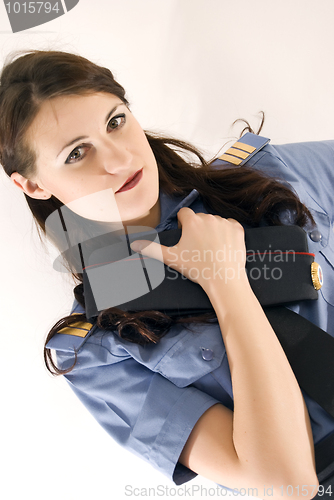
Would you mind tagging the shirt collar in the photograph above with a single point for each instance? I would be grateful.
(170, 205)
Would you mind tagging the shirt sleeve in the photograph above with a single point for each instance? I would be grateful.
(142, 410)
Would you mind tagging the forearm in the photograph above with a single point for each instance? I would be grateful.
(270, 424)
(268, 436)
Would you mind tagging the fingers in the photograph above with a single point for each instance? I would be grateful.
(184, 211)
(184, 214)
(234, 221)
(202, 235)
(149, 249)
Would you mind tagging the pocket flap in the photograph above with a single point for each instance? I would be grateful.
(199, 352)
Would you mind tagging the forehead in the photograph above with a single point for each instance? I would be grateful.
(66, 117)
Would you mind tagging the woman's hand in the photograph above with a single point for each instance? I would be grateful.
(211, 250)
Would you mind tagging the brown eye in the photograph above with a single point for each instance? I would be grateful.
(116, 122)
(77, 154)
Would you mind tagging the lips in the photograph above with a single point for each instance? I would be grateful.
(131, 182)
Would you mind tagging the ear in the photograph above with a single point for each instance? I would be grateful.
(29, 187)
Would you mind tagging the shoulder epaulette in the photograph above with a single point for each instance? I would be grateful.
(242, 150)
(72, 337)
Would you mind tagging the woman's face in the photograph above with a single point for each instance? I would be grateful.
(87, 144)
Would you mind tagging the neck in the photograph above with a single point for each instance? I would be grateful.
(151, 219)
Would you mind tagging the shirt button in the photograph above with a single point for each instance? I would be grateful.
(315, 235)
(207, 354)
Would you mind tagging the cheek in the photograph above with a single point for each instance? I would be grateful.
(143, 145)
(67, 188)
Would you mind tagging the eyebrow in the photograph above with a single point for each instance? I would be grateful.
(81, 137)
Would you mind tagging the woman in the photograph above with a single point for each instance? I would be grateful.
(162, 386)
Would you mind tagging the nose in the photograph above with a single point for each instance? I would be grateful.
(115, 157)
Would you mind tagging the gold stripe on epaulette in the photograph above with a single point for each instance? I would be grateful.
(79, 329)
(238, 153)
(230, 159)
(244, 147)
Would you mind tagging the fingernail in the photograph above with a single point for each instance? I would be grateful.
(136, 246)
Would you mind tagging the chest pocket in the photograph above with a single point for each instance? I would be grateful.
(268, 162)
(198, 353)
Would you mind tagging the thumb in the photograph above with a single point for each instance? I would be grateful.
(149, 249)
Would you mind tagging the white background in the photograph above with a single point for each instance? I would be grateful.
(191, 67)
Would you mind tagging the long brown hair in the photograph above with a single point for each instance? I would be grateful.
(241, 193)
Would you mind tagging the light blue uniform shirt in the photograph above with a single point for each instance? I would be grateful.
(149, 398)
